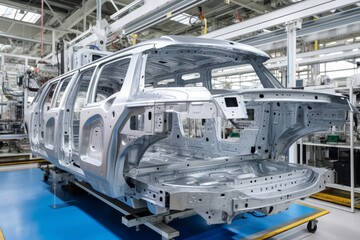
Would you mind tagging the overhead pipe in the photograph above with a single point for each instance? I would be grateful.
(42, 30)
(126, 8)
(157, 11)
(98, 12)
(116, 8)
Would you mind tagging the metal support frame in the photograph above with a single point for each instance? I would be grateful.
(304, 59)
(77, 16)
(159, 224)
(2, 68)
(19, 56)
(37, 26)
(53, 12)
(53, 48)
(98, 13)
(352, 174)
(62, 56)
(293, 12)
(291, 28)
(157, 11)
(6, 35)
(125, 9)
(84, 17)
(25, 6)
(132, 217)
(26, 93)
(345, 22)
(351, 148)
(137, 20)
(252, 5)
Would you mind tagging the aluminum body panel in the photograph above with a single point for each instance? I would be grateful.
(115, 125)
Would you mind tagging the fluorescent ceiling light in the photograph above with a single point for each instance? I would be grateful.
(20, 15)
(334, 53)
(31, 17)
(183, 18)
(266, 31)
(330, 43)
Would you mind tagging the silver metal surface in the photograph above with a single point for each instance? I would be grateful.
(13, 136)
(130, 125)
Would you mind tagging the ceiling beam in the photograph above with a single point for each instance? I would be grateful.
(119, 3)
(151, 13)
(19, 56)
(306, 58)
(79, 14)
(341, 21)
(321, 35)
(69, 6)
(36, 26)
(56, 16)
(27, 7)
(293, 12)
(25, 39)
(251, 5)
(11, 26)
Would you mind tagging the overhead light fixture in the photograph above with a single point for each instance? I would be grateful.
(330, 43)
(20, 15)
(334, 53)
(184, 18)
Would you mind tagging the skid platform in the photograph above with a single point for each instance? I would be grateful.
(30, 210)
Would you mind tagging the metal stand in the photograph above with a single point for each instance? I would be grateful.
(58, 178)
(291, 28)
(132, 217)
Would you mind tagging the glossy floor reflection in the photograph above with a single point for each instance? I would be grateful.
(27, 211)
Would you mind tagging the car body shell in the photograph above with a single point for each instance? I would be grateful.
(131, 141)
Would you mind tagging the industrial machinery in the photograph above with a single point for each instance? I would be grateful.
(12, 115)
(123, 124)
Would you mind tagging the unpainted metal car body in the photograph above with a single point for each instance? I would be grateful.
(131, 126)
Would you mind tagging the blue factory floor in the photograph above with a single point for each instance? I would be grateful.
(27, 212)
